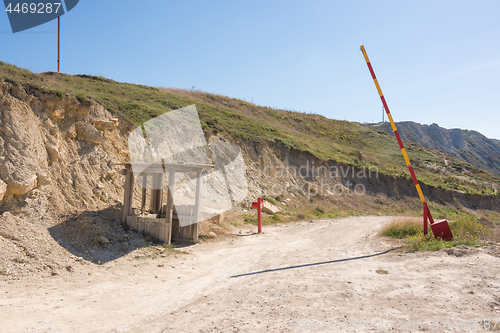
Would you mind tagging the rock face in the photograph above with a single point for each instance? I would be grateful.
(106, 124)
(53, 153)
(88, 132)
(22, 147)
(470, 146)
(3, 189)
(43, 179)
(22, 186)
(57, 114)
(49, 148)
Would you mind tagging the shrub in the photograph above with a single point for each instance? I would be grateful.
(467, 226)
(403, 228)
(81, 98)
(270, 200)
(276, 218)
(466, 229)
(319, 211)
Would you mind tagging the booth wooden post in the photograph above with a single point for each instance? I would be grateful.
(170, 199)
(157, 193)
(144, 192)
(128, 193)
(197, 205)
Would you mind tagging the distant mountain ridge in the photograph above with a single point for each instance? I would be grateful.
(470, 146)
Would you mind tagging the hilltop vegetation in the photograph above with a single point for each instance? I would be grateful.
(328, 139)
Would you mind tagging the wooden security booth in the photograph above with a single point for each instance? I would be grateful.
(162, 222)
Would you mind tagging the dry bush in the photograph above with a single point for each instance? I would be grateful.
(403, 227)
(487, 221)
(467, 226)
(494, 235)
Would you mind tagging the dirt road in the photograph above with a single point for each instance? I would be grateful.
(320, 276)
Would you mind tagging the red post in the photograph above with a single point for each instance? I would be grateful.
(258, 205)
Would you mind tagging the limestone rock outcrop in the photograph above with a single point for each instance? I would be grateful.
(3, 189)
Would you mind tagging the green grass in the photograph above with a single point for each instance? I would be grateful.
(322, 210)
(266, 219)
(206, 236)
(271, 200)
(327, 139)
(403, 229)
(494, 216)
(466, 230)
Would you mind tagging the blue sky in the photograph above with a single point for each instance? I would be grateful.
(436, 61)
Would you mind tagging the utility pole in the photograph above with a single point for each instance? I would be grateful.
(59, 44)
(383, 114)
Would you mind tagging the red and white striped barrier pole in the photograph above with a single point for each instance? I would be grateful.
(444, 229)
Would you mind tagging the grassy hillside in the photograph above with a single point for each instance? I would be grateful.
(339, 141)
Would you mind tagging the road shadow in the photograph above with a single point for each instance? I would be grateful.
(315, 264)
(100, 236)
